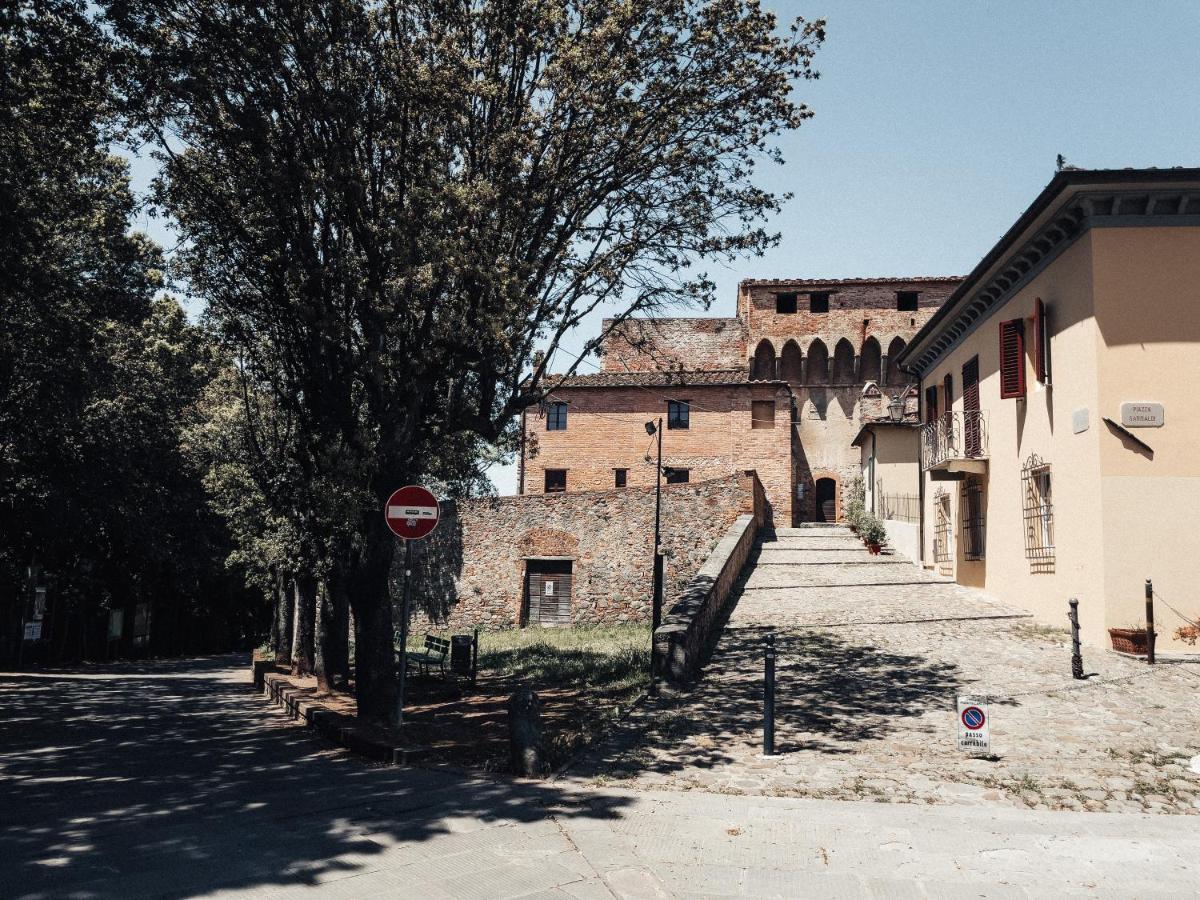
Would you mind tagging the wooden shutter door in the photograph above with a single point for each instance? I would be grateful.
(972, 432)
(1041, 342)
(1012, 359)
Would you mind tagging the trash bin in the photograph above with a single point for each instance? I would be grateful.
(460, 654)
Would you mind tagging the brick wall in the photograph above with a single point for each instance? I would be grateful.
(646, 345)
(606, 431)
(471, 571)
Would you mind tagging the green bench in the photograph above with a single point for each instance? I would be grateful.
(435, 653)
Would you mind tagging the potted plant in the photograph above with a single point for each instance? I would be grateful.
(1130, 640)
(853, 515)
(873, 533)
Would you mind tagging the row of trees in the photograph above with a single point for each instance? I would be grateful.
(393, 211)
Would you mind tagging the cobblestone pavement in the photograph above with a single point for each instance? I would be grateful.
(872, 652)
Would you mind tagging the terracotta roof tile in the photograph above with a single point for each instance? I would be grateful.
(655, 379)
(812, 282)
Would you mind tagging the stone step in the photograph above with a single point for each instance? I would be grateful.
(785, 556)
(815, 543)
(781, 578)
(813, 530)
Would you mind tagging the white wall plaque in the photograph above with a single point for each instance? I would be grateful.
(1142, 415)
(1079, 420)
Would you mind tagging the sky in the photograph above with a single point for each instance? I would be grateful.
(937, 122)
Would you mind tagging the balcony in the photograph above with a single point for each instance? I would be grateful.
(955, 442)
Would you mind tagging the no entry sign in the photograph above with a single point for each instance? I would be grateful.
(412, 512)
(974, 725)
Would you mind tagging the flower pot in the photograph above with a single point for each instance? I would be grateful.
(874, 548)
(1129, 640)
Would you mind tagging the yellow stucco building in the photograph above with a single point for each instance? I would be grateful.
(1060, 450)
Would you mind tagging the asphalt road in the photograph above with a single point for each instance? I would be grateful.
(171, 779)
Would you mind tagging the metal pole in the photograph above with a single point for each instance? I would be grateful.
(1076, 653)
(656, 600)
(1150, 635)
(769, 699)
(475, 657)
(404, 632)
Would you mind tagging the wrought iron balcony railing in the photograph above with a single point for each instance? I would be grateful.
(958, 435)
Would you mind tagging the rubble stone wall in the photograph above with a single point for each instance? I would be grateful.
(471, 571)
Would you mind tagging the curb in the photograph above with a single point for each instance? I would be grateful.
(327, 723)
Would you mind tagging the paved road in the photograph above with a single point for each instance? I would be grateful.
(873, 652)
(172, 779)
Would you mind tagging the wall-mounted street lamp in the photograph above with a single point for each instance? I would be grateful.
(896, 409)
(654, 429)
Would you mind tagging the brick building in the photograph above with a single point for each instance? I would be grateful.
(781, 388)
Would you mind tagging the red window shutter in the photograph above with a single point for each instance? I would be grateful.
(931, 404)
(1041, 370)
(1012, 359)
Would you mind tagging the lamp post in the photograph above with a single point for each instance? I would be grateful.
(656, 602)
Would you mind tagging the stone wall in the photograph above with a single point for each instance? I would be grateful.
(471, 571)
(690, 624)
(647, 345)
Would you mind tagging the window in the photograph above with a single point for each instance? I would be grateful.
(677, 414)
(620, 476)
(1041, 342)
(556, 417)
(785, 303)
(818, 302)
(1039, 514)
(556, 481)
(948, 393)
(762, 414)
(972, 420)
(677, 476)
(943, 552)
(931, 404)
(972, 518)
(1012, 359)
(906, 301)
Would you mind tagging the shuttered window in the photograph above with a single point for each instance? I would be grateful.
(931, 404)
(972, 425)
(948, 393)
(1012, 359)
(1041, 342)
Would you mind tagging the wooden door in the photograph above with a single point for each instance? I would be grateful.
(548, 592)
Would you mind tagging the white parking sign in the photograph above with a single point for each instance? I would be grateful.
(974, 725)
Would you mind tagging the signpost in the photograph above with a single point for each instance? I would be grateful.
(974, 725)
(1142, 415)
(411, 513)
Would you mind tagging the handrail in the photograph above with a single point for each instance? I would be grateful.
(954, 435)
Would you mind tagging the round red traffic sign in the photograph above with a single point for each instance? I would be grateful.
(412, 512)
(973, 718)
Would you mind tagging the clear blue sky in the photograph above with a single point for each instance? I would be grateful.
(938, 121)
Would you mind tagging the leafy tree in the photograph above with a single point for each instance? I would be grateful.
(97, 378)
(390, 206)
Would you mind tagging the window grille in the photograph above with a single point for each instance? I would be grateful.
(556, 417)
(1039, 514)
(973, 516)
(942, 549)
(678, 414)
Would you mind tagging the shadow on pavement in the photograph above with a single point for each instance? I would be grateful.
(172, 778)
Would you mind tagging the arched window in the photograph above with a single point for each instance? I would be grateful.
(895, 377)
(789, 362)
(870, 361)
(843, 362)
(818, 363)
(764, 361)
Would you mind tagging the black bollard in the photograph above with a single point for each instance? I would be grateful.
(769, 699)
(1076, 653)
(1150, 635)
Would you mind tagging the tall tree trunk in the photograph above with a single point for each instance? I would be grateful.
(328, 654)
(332, 646)
(374, 664)
(306, 619)
(281, 624)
